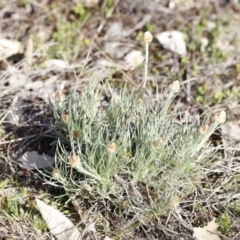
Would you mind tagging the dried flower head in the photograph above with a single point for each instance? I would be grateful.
(76, 134)
(111, 147)
(75, 161)
(220, 117)
(155, 143)
(176, 201)
(204, 129)
(175, 87)
(65, 118)
(133, 117)
(56, 174)
(60, 96)
(147, 37)
(158, 143)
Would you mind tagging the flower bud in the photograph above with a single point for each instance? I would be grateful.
(147, 37)
(56, 174)
(59, 97)
(76, 134)
(175, 87)
(155, 143)
(158, 143)
(175, 201)
(220, 117)
(203, 130)
(65, 118)
(75, 161)
(111, 147)
(133, 118)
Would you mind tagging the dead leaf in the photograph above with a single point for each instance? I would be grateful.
(204, 44)
(91, 227)
(231, 140)
(56, 63)
(103, 63)
(133, 59)
(107, 238)
(14, 115)
(44, 89)
(9, 48)
(29, 53)
(89, 3)
(32, 160)
(59, 225)
(173, 41)
(113, 45)
(231, 134)
(16, 79)
(205, 233)
(117, 50)
(115, 30)
(183, 4)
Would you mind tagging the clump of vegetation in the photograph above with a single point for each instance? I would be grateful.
(14, 206)
(131, 152)
(225, 225)
(68, 36)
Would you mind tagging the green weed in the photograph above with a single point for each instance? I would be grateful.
(225, 225)
(15, 206)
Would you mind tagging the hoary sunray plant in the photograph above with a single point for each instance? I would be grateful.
(130, 152)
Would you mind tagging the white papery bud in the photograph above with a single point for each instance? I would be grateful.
(175, 87)
(220, 117)
(147, 37)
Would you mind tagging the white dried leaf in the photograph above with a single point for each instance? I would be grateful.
(134, 59)
(186, 4)
(59, 225)
(117, 49)
(231, 140)
(231, 133)
(32, 160)
(113, 45)
(173, 41)
(115, 30)
(211, 25)
(29, 52)
(91, 227)
(107, 238)
(207, 232)
(103, 63)
(56, 63)
(44, 33)
(36, 85)
(232, 130)
(14, 113)
(14, 117)
(89, 3)
(204, 44)
(9, 48)
(17, 80)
